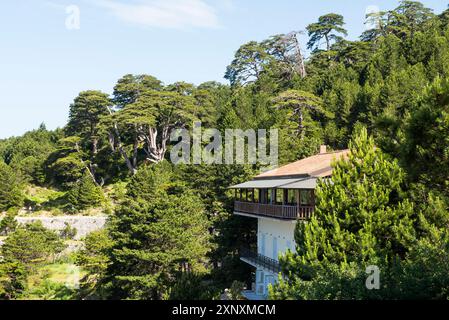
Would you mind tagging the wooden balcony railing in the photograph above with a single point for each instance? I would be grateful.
(260, 260)
(284, 212)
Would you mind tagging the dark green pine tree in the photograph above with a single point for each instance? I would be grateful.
(13, 280)
(85, 114)
(426, 151)
(327, 28)
(85, 194)
(11, 191)
(360, 220)
(8, 223)
(160, 233)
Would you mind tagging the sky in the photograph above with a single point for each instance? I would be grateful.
(50, 50)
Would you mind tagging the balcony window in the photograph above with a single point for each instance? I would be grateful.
(291, 197)
(249, 195)
(257, 195)
(264, 196)
(279, 196)
(306, 197)
(268, 193)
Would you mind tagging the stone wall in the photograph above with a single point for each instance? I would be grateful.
(83, 224)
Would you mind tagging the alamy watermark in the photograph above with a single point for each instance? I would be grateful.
(73, 19)
(373, 280)
(73, 279)
(372, 21)
(208, 146)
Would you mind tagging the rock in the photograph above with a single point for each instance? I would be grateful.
(83, 224)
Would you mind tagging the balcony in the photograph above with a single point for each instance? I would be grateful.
(284, 212)
(259, 261)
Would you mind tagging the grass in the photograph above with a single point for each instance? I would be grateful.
(45, 201)
(55, 281)
(48, 202)
(41, 195)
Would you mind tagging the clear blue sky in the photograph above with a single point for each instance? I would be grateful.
(44, 65)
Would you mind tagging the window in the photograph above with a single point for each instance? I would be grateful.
(256, 195)
(289, 245)
(268, 280)
(291, 197)
(259, 276)
(250, 195)
(268, 196)
(306, 197)
(263, 195)
(279, 196)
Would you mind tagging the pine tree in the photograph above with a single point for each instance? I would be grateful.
(158, 236)
(11, 188)
(8, 223)
(426, 151)
(31, 245)
(327, 27)
(361, 219)
(85, 114)
(13, 280)
(85, 194)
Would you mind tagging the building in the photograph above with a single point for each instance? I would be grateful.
(279, 199)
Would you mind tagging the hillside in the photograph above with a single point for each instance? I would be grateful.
(171, 226)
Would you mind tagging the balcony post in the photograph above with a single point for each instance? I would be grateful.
(298, 199)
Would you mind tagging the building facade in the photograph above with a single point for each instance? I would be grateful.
(279, 199)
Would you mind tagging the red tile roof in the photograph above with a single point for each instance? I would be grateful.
(315, 166)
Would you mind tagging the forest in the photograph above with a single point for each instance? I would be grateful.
(171, 232)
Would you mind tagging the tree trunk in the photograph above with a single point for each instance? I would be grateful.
(89, 167)
(132, 168)
(94, 146)
(301, 126)
(300, 65)
(156, 152)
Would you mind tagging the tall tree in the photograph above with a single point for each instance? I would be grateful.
(11, 188)
(159, 234)
(84, 119)
(408, 18)
(146, 112)
(378, 21)
(286, 50)
(248, 64)
(150, 120)
(299, 106)
(426, 148)
(129, 87)
(327, 27)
